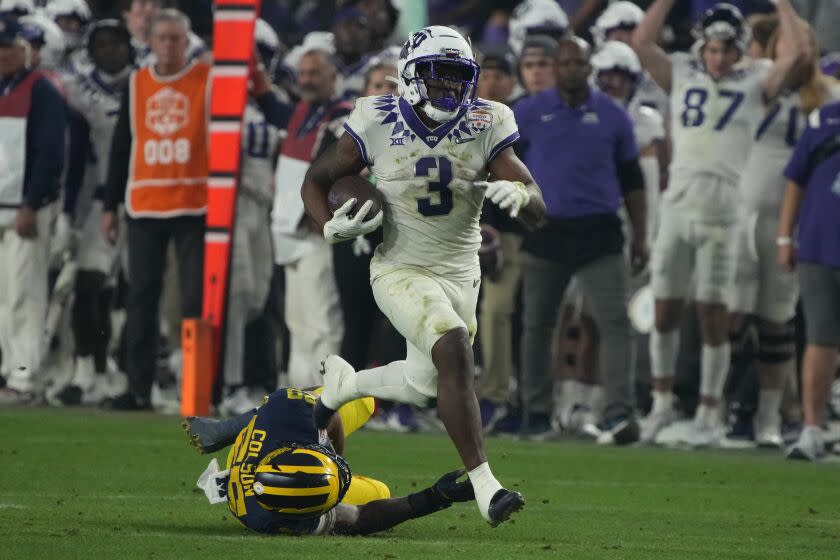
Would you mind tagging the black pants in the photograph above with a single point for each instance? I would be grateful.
(358, 306)
(148, 240)
(92, 316)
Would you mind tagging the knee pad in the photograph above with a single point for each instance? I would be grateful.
(364, 490)
(776, 344)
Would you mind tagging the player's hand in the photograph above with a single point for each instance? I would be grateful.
(344, 228)
(110, 227)
(786, 257)
(26, 223)
(449, 490)
(639, 255)
(507, 195)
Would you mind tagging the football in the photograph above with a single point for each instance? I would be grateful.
(354, 186)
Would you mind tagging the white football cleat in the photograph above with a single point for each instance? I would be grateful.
(338, 382)
(810, 446)
(768, 433)
(654, 423)
(704, 434)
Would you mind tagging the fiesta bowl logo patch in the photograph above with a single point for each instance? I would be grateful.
(479, 119)
(167, 111)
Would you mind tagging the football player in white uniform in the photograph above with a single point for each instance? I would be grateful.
(717, 100)
(426, 147)
(763, 290)
(96, 96)
(250, 270)
(618, 73)
(617, 23)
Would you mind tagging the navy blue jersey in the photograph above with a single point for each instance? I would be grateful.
(286, 417)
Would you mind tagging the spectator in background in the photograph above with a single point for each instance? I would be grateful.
(812, 200)
(32, 129)
(138, 18)
(352, 50)
(313, 311)
(499, 290)
(580, 147)
(382, 19)
(251, 265)
(537, 65)
(159, 169)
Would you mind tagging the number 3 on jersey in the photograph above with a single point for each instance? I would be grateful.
(423, 168)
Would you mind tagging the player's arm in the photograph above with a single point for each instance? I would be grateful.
(339, 160)
(381, 515)
(335, 431)
(797, 50)
(506, 167)
(645, 43)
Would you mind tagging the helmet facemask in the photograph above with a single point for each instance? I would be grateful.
(445, 85)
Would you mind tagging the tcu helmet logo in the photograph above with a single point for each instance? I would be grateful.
(167, 111)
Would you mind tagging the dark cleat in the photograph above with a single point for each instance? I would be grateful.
(504, 504)
(209, 435)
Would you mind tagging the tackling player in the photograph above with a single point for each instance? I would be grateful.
(284, 476)
(426, 147)
(717, 100)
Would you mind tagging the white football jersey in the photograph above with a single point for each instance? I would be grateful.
(260, 142)
(98, 100)
(651, 95)
(763, 183)
(713, 122)
(648, 125)
(431, 206)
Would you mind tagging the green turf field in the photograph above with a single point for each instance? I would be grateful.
(82, 484)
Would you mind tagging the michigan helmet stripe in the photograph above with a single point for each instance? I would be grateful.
(280, 491)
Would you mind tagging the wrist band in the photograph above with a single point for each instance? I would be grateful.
(783, 240)
(426, 502)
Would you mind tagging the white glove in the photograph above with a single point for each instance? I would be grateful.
(507, 195)
(361, 246)
(344, 228)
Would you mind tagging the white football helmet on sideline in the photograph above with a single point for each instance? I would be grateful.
(71, 8)
(41, 29)
(442, 54)
(536, 17)
(615, 55)
(618, 15)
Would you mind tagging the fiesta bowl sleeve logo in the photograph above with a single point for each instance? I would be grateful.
(479, 119)
(167, 111)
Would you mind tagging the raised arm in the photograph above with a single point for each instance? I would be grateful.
(340, 159)
(797, 49)
(645, 43)
(507, 166)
